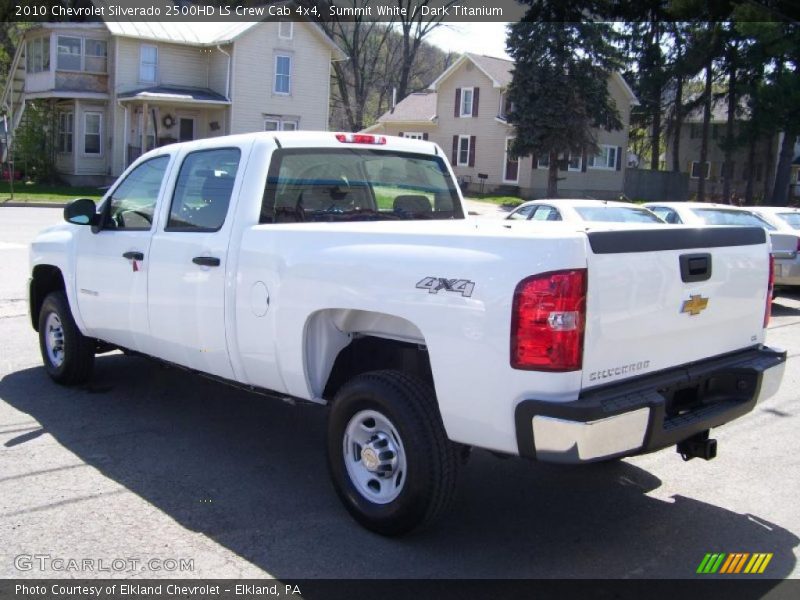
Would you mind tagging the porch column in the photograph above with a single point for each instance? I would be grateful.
(144, 127)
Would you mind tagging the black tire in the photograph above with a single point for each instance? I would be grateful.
(432, 461)
(78, 350)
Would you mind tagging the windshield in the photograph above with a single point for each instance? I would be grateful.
(722, 216)
(792, 218)
(357, 184)
(616, 214)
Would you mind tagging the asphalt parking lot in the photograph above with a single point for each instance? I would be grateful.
(189, 478)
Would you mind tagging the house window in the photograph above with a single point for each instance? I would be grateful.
(463, 150)
(413, 135)
(38, 55)
(605, 159)
(466, 102)
(728, 170)
(280, 125)
(148, 63)
(574, 163)
(79, 54)
(696, 170)
(69, 53)
(95, 59)
(92, 126)
(283, 74)
(506, 106)
(285, 30)
(65, 125)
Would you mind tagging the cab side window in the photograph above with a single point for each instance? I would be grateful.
(203, 190)
(133, 202)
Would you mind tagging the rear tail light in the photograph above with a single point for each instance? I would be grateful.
(548, 320)
(360, 138)
(770, 288)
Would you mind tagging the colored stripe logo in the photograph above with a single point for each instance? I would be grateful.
(734, 563)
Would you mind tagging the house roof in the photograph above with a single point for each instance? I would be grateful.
(498, 70)
(414, 108)
(176, 94)
(197, 33)
(719, 111)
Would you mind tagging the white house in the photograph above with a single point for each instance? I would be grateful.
(121, 87)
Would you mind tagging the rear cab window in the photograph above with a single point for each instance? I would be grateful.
(357, 184)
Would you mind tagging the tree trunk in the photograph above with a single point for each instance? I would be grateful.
(655, 134)
(676, 136)
(783, 174)
(701, 181)
(729, 142)
(751, 174)
(769, 180)
(552, 176)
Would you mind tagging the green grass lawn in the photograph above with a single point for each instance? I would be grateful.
(501, 200)
(35, 192)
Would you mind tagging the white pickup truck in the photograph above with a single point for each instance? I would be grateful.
(340, 269)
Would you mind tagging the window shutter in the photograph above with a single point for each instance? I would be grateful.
(425, 136)
(455, 150)
(619, 158)
(457, 108)
(399, 134)
(476, 94)
(563, 163)
(472, 151)
(584, 160)
(534, 161)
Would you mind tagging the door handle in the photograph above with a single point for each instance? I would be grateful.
(206, 261)
(133, 255)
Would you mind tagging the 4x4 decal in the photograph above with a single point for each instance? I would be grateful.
(434, 284)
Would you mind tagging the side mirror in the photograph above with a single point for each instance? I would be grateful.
(81, 212)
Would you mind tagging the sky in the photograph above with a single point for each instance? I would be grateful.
(487, 38)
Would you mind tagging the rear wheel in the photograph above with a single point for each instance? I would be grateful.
(389, 457)
(67, 354)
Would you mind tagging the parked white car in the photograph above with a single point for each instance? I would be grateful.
(339, 269)
(583, 211)
(785, 240)
(782, 217)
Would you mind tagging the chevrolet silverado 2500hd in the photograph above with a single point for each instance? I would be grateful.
(340, 269)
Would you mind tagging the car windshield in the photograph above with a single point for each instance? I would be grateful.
(722, 216)
(792, 218)
(616, 214)
(357, 184)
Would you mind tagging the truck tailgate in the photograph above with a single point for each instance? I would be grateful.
(662, 298)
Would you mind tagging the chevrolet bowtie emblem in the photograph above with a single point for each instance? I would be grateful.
(694, 305)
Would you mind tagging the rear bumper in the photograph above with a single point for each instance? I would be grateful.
(787, 271)
(651, 412)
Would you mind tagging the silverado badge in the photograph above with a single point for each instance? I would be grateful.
(694, 305)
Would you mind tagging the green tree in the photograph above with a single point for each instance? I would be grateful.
(559, 89)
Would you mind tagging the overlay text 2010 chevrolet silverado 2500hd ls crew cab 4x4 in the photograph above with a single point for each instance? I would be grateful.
(340, 269)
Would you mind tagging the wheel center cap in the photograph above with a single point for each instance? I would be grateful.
(370, 458)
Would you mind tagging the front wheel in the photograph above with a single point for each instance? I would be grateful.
(67, 354)
(389, 457)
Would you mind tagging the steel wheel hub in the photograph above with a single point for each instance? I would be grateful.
(374, 456)
(54, 339)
